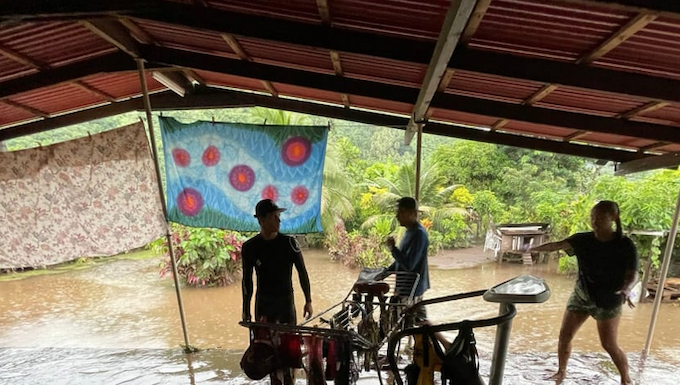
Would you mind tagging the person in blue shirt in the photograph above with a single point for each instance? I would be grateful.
(411, 255)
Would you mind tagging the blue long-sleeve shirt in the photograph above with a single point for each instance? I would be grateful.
(411, 255)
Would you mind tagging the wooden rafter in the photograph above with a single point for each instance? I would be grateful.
(114, 32)
(236, 46)
(576, 135)
(500, 123)
(193, 76)
(324, 11)
(540, 94)
(29, 109)
(446, 79)
(454, 24)
(270, 88)
(475, 19)
(21, 58)
(337, 64)
(94, 91)
(649, 107)
(625, 32)
(345, 100)
(137, 32)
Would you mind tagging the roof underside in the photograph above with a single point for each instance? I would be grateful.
(589, 78)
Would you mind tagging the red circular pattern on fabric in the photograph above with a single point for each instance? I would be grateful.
(270, 192)
(242, 177)
(296, 151)
(181, 157)
(189, 202)
(299, 195)
(211, 156)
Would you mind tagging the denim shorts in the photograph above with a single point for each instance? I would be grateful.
(580, 302)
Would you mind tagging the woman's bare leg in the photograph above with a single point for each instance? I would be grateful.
(609, 330)
(571, 322)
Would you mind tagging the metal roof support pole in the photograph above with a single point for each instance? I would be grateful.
(454, 24)
(667, 255)
(149, 121)
(419, 154)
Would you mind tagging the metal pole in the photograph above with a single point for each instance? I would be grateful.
(662, 278)
(500, 348)
(149, 120)
(419, 144)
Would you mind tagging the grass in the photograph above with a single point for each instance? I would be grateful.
(77, 264)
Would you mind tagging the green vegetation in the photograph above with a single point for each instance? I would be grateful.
(465, 188)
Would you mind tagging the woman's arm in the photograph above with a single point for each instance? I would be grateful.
(552, 246)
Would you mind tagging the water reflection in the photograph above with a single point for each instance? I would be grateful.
(117, 323)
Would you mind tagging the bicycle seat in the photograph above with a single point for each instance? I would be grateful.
(371, 288)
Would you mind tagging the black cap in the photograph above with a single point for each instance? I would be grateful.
(265, 207)
(407, 203)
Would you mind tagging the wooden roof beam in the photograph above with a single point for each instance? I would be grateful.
(137, 32)
(235, 46)
(94, 91)
(456, 19)
(337, 64)
(475, 19)
(29, 109)
(113, 31)
(446, 80)
(649, 107)
(500, 123)
(270, 88)
(324, 11)
(540, 94)
(625, 32)
(345, 101)
(21, 58)
(359, 87)
(575, 135)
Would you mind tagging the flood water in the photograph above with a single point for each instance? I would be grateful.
(118, 323)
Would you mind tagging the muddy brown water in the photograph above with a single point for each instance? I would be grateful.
(117, 323)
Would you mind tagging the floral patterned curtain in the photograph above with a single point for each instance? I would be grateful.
(95, 196)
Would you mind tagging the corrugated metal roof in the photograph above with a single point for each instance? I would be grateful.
(10, 114)
(297, 10)
(173, 36)
(655, 49)
(496, 87)
(54, 43)
(57, 99)
(555, 30)
(122, 85)
(224, 80)
(589, 102)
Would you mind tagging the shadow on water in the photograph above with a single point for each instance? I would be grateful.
(117, 323)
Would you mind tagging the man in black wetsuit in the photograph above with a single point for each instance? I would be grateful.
(272, 255)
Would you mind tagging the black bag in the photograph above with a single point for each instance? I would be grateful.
(460, 365)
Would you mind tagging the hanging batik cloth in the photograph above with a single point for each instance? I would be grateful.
(217, 172)
(95, 196)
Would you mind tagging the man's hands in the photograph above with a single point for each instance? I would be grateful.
(390, 242)
(308, 311)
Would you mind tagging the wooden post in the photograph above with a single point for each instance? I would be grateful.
(152, 136)
(419, 143)
(667, 255)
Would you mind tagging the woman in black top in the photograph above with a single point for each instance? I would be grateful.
(607, 264)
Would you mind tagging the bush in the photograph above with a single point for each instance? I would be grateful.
(436, 242)
(205, 257)
(357, 250)
(456, 232)
(567, 265)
